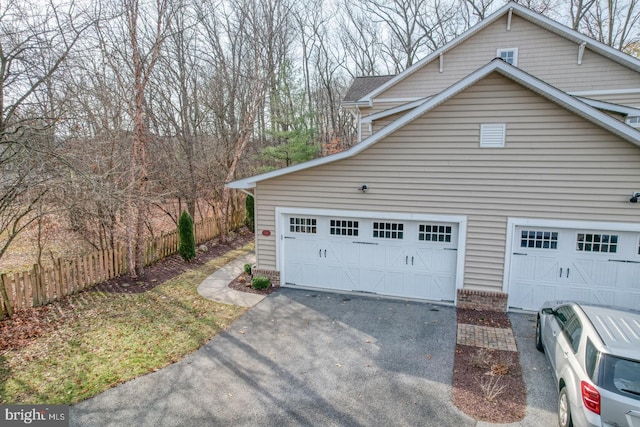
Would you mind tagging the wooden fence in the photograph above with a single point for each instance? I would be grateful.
(40, 286)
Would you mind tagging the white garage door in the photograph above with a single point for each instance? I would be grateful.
(414, 259)
(597, 266)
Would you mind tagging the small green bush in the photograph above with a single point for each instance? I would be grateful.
(187, 243)
(249, 219)
(260, 282)
(247, 268)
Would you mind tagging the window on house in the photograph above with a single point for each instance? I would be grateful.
(434, 233)
(302, 225)
(388, 230)
(343, 227)
(492, 134)
(508, 55)
(539, 239)
(592, 242)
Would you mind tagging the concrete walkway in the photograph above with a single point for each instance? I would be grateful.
(216, 287)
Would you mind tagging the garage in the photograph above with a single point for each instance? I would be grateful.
(597, 265)
(400, 256)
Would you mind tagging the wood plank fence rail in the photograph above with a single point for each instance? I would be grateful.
(40, 286)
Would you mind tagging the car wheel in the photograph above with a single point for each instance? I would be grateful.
(564, 409)
(539, 345)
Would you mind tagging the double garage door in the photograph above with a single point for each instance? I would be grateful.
(404, 258)
(598, 266)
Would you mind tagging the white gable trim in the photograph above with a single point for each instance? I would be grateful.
(392, 111)
(605, 92)
(497, 65)
(524, 13)
(609, 106)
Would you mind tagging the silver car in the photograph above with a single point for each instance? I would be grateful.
(594, 353)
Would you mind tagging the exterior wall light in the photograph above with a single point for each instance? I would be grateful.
(634, 198)
(364, 188)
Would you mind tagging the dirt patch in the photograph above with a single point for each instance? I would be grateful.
(487, 383)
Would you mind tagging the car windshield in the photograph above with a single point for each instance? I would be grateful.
(621, 376)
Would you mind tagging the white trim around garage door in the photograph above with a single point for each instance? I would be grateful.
(512, 223)
(280, 213)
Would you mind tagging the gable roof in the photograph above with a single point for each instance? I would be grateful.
(497, 65)
(364, 85)
(525, 13)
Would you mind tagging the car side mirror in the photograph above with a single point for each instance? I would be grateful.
(548, 311)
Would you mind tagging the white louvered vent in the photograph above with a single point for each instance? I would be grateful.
(492, 134)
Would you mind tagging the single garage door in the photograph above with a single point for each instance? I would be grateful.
(413, 259)
(598, 266)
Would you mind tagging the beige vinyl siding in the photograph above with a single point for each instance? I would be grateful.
(542, 53)
(379, 124)
(555, 165)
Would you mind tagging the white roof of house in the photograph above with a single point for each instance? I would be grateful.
(525, 13)
(497, 65)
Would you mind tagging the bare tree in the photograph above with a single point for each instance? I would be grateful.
(236, 57)
(35, 41)
(131, 39)
(179, 114)
(360, 38)
(613, 22)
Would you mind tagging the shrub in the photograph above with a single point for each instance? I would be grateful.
(249, 220)
(187, 245)
(247, 268)
(260, 282)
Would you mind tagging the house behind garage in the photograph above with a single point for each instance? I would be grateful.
(497, 172)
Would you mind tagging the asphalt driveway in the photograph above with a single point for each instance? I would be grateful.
(313, 358)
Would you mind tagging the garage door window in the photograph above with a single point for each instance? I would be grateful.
(591, 242)
(434, 233)
(303, 225)
(343, 227)
(388, 230)
(539, 239)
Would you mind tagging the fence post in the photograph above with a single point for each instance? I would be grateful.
(6, 302)
(36, 296)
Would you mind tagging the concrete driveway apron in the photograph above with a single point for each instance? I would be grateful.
(302, 358)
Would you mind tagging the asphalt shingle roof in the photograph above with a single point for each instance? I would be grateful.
(363, 85)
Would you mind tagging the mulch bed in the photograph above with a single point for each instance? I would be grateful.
(173, 266)
(243, 283)
(487, 383)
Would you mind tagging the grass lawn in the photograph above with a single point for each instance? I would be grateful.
(101, 340)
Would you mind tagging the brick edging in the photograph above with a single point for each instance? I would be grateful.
(482, 300)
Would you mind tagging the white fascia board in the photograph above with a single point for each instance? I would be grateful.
(605, 92)
(497, 65)
(392, 111)
(609, 106)
(524, 13)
